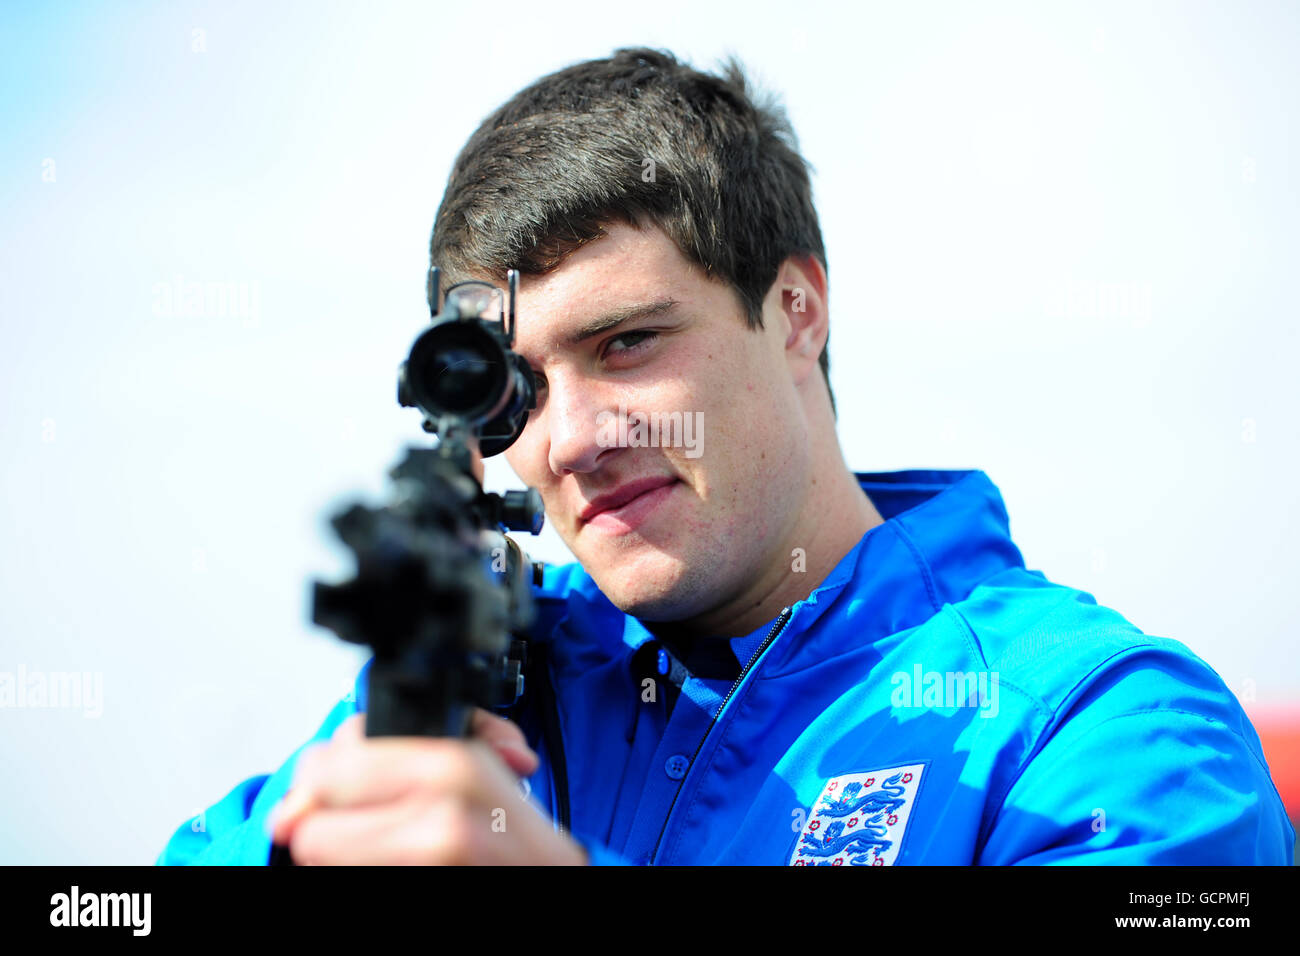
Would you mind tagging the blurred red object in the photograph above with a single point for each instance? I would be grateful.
(1279, 732)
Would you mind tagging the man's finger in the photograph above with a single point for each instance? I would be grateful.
(391, 768)
(297, 804)
(387, 834)
(504, 737)
(352, 730)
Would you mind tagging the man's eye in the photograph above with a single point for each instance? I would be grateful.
(638, 338)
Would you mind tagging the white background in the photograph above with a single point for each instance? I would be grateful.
(980, 169)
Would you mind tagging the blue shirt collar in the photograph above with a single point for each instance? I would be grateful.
(943, 533)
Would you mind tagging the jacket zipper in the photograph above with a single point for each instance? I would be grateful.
(777, 627)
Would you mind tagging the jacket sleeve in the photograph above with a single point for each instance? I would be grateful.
(232, 832)
(1156, 764)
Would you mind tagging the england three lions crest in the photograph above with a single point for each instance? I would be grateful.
(859, 819)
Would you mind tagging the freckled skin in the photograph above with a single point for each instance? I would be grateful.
(714, 558)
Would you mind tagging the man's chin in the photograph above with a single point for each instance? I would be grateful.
(662, 602)
(646, 582)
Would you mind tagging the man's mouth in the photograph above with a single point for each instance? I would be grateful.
(629, 505)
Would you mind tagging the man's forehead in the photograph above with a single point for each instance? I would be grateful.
(621, 277)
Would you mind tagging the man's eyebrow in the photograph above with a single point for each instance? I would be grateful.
(618, 317)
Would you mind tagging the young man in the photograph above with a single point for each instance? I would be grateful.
(760, 656)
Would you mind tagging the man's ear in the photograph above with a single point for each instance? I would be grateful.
(800, 288)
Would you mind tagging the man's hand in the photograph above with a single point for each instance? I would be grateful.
(418, 800)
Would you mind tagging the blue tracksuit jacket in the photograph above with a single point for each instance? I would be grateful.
(931, 701)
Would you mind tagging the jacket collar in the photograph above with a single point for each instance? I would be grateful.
(944, 532)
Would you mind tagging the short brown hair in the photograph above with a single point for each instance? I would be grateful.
(570, 153)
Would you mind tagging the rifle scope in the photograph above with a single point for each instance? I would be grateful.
(461, 371)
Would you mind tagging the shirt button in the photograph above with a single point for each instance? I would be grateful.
(676, 766)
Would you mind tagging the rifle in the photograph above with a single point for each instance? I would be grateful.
(441, 595)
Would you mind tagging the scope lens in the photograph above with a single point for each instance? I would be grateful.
(457, 369)
(460, 380)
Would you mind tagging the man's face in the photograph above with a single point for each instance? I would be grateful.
(718, 494)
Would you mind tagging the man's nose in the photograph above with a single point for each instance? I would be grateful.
(572, 409)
